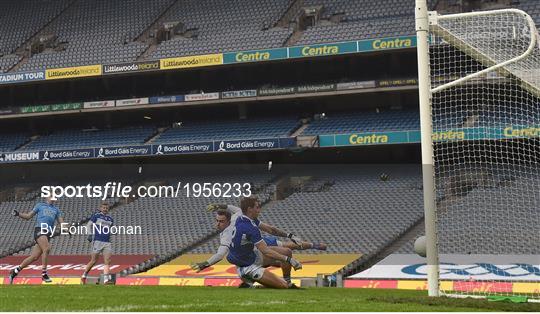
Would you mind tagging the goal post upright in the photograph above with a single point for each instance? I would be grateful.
(479, 77)
(428, 174)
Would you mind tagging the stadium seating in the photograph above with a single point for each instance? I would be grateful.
(8, 61)
(223, 26)
(364, 29)
(21, 19)
(99, 32)
(17, 233)
(348, 122)
(68, 139)
(229, 129)
(350, 216)
(362, 20)
(489, 219)
(168, 224)
(9, 142)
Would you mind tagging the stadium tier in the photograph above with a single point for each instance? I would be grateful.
(344, 208)
(221, 27)
(86, 32)
(23, 19)
(98, 32)
(488, 201)
(169, 224)
(364, 122)
(215, 130)
(11, 141)
(346, 31)
(330, 198)
(91, 138)
(232, 129)
(94, 32)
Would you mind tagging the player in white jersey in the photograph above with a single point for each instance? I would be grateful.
(226, 217)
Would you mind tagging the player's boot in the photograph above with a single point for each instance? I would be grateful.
(245, 285)
(319, 246)
(83, 280)
(293, 286)
(12, 275)
(46, 278)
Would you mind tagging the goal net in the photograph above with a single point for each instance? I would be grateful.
(485, 89)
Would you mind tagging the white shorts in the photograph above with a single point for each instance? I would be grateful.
(254, 271)
(101, 247)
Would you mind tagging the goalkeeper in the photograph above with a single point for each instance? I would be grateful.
(226, 216)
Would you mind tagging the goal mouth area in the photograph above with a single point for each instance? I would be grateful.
(479, 76)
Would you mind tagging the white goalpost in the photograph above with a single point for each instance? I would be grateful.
(479, 87)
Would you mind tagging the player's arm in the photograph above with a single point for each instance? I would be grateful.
(267, 251)
(234, 210)
(25, 216)
(90, 228)
(273, 230)
(220, 254)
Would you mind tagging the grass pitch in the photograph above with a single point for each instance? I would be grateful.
(173, 298)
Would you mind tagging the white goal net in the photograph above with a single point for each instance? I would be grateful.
(485, 88)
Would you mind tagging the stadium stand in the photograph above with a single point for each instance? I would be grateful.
(350, 216)
(101, 32)
(10, 141)
(361, 20)
(364, 122)
(364, 29)
(67, 139)
(463, 214)
(21, 19)
(169, 224)
(7, 62)
(229, 129)
(18, 233)
(222, 27)
(211, 130)
(98, 32)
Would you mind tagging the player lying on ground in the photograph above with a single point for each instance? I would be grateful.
(99, 227)
(250, 262)
(226, 216)
(225, 223)
(46, 216)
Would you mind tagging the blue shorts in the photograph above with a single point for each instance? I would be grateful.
(271, 241)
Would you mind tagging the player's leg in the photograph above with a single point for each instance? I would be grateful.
(43, 242)
(34, 255)
(271, 280)
(285, 267)
(93, 260)
(107, 260)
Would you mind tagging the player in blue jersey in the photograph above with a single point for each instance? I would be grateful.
(99, 227)
(250, 253)
(226, 216)
(47, 214)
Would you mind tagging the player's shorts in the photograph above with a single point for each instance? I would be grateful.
(101, 247)
(254, 271)
(272, 241)
(38, 233)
